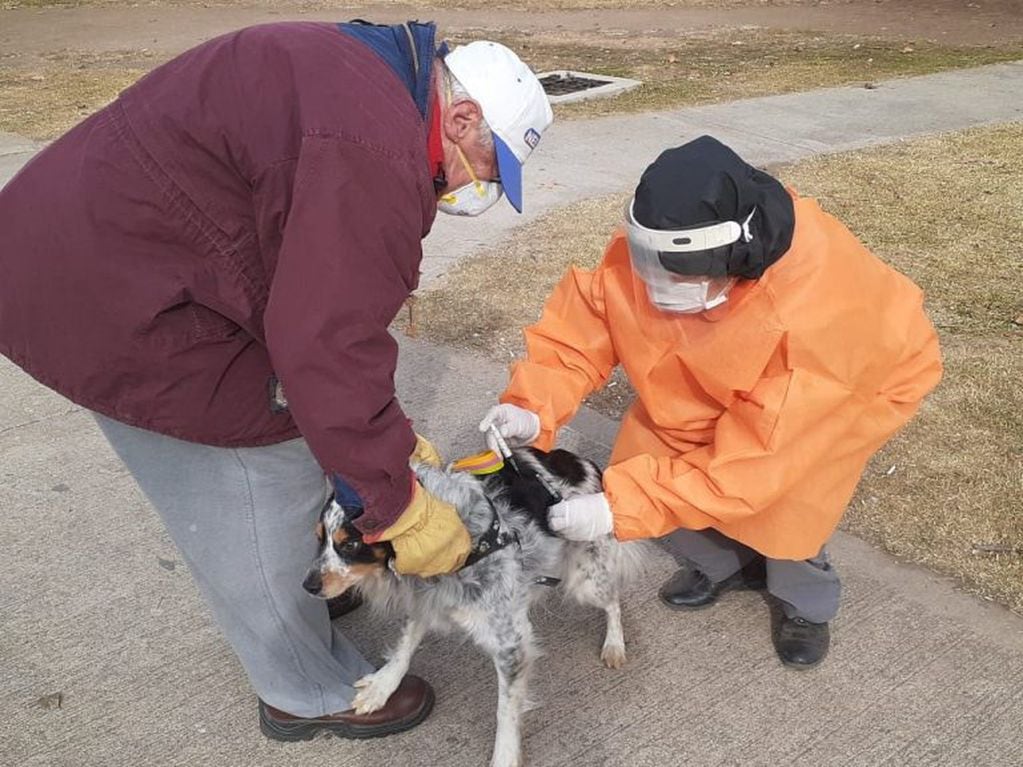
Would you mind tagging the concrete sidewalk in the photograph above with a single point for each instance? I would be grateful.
(15, 151)
(96, 605)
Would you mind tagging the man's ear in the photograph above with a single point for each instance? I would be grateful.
(460, 118)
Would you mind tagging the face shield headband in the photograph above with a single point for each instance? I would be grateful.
(698, 252)
(684, 269)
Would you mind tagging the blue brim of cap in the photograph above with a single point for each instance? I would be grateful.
(510, 170)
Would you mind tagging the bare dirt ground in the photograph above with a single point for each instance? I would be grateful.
(60, 60)
(32, 29)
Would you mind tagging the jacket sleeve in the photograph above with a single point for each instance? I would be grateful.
(569, 353)
(348, 260)
(766, 441)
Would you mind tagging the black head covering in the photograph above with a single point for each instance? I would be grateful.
(704, 182)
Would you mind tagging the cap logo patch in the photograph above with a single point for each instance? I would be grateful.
(532, 138)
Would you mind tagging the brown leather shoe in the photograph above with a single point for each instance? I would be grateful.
(409, 705)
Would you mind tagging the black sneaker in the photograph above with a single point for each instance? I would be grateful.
(801, 644)
(691, 589)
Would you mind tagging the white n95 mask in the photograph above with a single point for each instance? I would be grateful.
(689, 296)
(470, 199)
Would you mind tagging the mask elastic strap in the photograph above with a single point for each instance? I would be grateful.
(481, 190)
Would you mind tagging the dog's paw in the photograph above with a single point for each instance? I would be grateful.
(506, 758)
(613, 655)
(374, 691)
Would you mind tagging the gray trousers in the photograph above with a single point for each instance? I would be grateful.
(243, 520)
(808, 589)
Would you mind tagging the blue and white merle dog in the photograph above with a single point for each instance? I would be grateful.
(515, 557)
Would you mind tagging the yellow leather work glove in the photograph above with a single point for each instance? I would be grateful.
(429, 537)
(425, 452)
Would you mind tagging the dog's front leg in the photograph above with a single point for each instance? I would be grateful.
(512, 660)
(376, 688)
(613, 651)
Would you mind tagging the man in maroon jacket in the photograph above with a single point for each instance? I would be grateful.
(211, 263)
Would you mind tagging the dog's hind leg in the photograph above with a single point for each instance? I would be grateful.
(376, 688)
(591, 579)
(601, 591)
(513, 656)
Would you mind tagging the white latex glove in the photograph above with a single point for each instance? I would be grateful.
(583, 518)
(517, 425)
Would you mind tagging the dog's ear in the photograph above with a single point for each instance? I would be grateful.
(568, 467)
(527, 494)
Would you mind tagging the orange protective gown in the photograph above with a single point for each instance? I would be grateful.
(755, 418)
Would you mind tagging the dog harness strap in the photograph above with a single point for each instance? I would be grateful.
(494, 539)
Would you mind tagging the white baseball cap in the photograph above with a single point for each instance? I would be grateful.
(513, 102)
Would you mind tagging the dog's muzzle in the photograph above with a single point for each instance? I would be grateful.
(313, 583)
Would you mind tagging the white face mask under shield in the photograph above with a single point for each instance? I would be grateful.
(680, 293)
(471, 199)
(685, 297)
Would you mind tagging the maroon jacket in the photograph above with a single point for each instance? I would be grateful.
(249, 212)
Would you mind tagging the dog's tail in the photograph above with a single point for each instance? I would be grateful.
(636, 560)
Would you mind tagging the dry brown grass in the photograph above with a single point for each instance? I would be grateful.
(474, 311)
(947, 211)
(546, 5)
(529, 5)
(732, 64)
(41, 102)
(11, 5)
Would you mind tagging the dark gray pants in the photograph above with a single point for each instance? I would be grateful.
(808, 589)
(243, 520)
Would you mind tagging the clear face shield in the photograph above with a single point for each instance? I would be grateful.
(670, 262)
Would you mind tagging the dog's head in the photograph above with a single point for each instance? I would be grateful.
(344, 558)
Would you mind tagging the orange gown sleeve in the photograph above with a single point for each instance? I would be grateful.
(568, 354)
